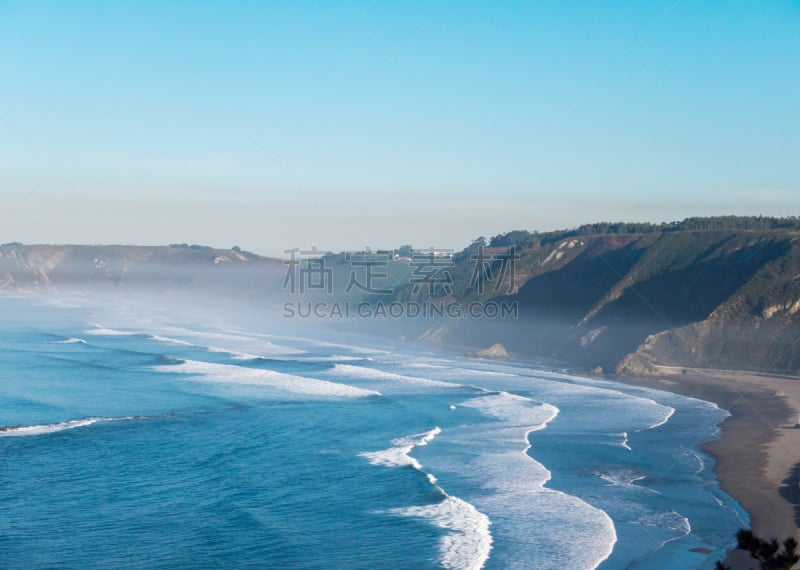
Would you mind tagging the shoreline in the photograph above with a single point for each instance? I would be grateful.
(757, 456)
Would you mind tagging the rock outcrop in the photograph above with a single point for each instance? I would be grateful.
(495, 352)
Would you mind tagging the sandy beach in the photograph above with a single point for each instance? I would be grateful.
(758, 453)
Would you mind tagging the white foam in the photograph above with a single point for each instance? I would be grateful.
(468, 543)
(398, 455)
(621, 477)
(697, 459)
(604, 409)
(233, 342)
(233, 354)
(102, 331)
(334, 358)
(375, 374)
(356, 349)
(260, 345)
(218, 335)
(169, 340)
(514, 409)
(669, 521)
(232, 374)
(667, 415)
(21, 431)
(475, 372)
(520, 417)
(70, 341)
(243, 356)
(569, 532)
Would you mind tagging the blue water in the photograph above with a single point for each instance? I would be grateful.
(139, 440)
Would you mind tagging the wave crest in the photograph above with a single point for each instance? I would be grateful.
(42, 429)
(232, 374)
(467, 544)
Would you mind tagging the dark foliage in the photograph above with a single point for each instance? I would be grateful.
(771, 554)
(523, 239)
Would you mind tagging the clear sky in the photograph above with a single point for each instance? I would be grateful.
(274, 125)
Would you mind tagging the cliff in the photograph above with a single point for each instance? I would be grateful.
(107, 268)
(634, 302)
(635, 298)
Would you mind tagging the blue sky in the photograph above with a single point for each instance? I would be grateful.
(275, 125)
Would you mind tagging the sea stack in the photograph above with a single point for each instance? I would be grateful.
(495, 352)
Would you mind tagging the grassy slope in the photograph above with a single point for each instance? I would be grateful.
(605, 295)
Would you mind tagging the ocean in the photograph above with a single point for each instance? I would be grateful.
(136, 440)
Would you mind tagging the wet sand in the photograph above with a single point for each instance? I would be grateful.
(758, 453)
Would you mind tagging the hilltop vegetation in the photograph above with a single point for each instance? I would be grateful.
(524, 239)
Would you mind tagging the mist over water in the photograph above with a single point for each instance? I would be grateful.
(171, 434)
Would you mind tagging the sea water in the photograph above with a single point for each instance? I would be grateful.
(132, 441)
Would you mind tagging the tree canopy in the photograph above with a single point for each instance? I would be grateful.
(524, 238)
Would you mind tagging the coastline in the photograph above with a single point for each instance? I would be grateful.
(757, 456)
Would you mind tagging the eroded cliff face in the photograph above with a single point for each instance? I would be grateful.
(756, 328)
(22, 266)
(637, 303)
